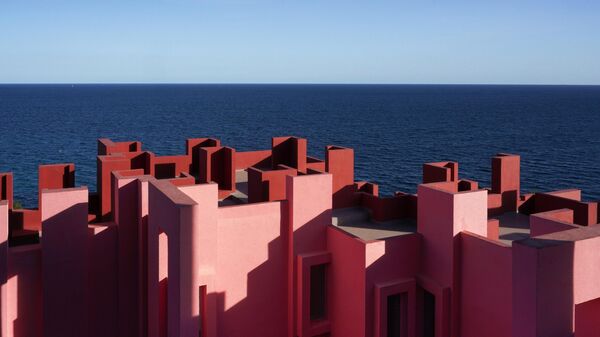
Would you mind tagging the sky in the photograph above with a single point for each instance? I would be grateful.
(300, 41)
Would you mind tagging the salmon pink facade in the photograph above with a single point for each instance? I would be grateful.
(275, 243)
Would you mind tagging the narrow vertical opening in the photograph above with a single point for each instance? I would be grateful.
(397, 315)
(202, 312)
(428, 314)
(163, 283)
(318, 292)
(3, 194)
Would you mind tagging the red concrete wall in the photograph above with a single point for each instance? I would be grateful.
(289, 151)
(440, 172)
(105, 165)
(585, 213)
(347, 284)
(467, 185)
(171, 166)
(251, 271)
(551, 221)
(586, 319)
(191, 150)
(388, 208)
(506, 173)
(55, 176)
(184, 180)
(268, 185)
(118, 162)
(573, 194)
(246, 159)
(108, 147)
(486, 296)
(217, 164)
(315, 164)
(339, 162)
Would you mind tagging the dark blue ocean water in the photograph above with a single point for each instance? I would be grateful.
(393, 128)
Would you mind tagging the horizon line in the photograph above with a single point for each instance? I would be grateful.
(292, 83)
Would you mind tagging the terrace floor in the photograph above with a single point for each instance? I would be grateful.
(513, 226)
(357, 221)
(240, 196)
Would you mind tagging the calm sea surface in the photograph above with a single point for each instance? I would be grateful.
(393, 128)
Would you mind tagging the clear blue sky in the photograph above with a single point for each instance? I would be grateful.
(314, 41)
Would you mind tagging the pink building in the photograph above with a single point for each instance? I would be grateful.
(275, 243)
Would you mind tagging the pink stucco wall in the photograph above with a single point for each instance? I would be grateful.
(347, 283)
(395, 258)
(486, 296)
(64, 267)
(251, 271)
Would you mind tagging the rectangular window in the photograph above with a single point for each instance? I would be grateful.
(318, 292)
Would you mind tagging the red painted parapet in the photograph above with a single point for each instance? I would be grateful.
(6, 188)
(467, 185)
(185, 179)
(25, 225)
(551, 221)
(388, 208)
(192, 147)
(505, 191)
(367, 187)
(217, 164)
(118, 162)
(246, 159)
(167, 167)
(585, 213)
(108, 147)
(55, 176)
(440, 172)
(315, 164)
(493, 229)
(267, 184)
(339, 162)
(289, 151)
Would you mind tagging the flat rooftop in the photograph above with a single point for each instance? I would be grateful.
(513, 226)
(357, 221)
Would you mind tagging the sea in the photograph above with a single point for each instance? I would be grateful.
(393, 129)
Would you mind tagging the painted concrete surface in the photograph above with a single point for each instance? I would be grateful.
(269, 243)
